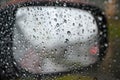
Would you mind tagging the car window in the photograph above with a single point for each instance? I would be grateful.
(62, 43)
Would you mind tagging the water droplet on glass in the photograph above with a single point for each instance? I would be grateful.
(66, 40)
(55, 19)
(64, 4)
(68, 32)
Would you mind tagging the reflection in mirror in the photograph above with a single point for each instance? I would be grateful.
(54, 39)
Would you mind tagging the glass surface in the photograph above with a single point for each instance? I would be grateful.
(108, 69)
(54, 39)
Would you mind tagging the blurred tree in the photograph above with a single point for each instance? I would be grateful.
(111, 8)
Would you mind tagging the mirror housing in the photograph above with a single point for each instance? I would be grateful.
(8, 66)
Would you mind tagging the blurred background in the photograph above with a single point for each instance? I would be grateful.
(110, 67)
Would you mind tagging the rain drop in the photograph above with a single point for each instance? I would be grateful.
(68, 32)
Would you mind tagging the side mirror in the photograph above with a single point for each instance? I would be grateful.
(41, 37)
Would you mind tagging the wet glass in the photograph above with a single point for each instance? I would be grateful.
(60, 41)
(54, 39)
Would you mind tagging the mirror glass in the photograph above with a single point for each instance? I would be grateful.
(54, 39)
